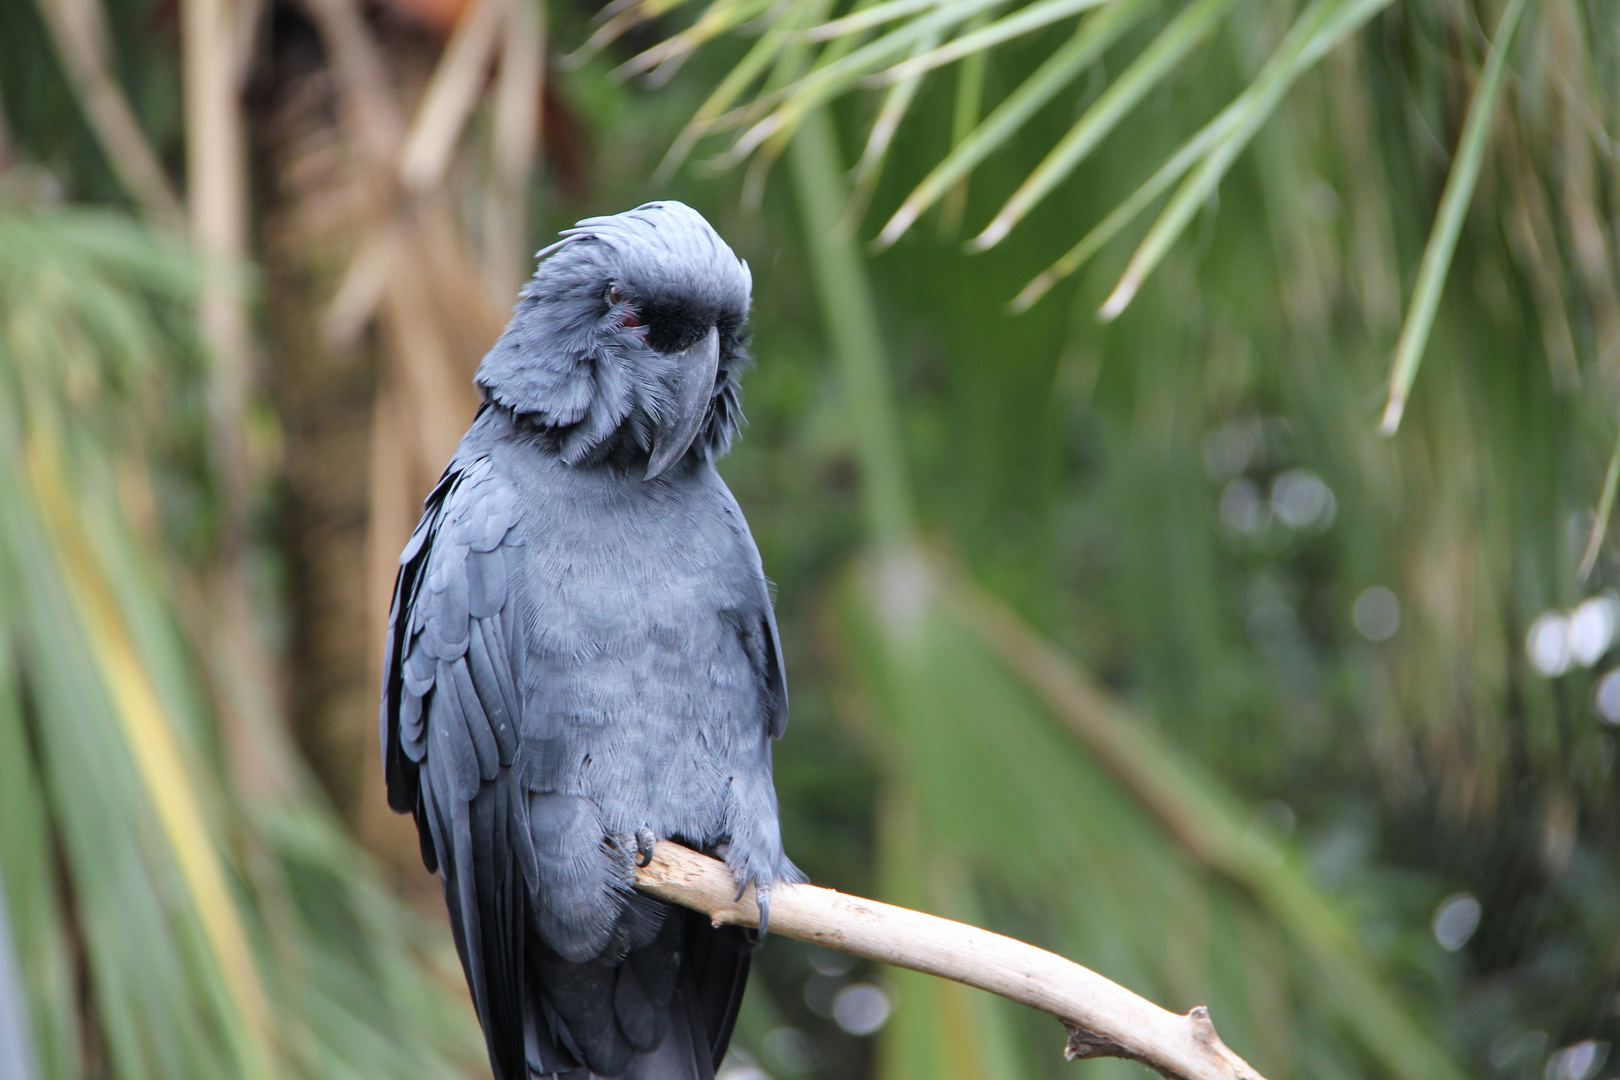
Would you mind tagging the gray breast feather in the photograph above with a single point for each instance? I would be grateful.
(535, 657)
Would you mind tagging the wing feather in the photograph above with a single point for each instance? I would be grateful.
(486, 582)
(449, 729)
(756, 630)
(477, 720)
(772, 673)
(449, 739)
(484, 672)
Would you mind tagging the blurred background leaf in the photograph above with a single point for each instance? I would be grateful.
(1131, 638)
(168, 928)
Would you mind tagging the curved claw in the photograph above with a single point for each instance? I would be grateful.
(762, 900)
(762, 896)
(644, 846)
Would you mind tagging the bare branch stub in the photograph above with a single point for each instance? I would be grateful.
(1103, 1018)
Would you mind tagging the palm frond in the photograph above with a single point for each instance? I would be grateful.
(1323, 25)
(1448, 222)
(125, 844)
(1090, 40)
(1155, 64)
(897, 42)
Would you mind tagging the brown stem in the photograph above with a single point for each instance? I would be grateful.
(450, 97)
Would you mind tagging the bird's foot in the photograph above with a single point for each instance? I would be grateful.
(644, 843)
(762, 896)
(744, 877)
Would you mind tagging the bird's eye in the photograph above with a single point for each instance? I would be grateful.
(629, 316)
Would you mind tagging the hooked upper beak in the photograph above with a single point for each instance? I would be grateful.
(693, 385)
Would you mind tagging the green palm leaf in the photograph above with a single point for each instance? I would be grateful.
(219, 939)
(1448, 222)
(1322, 26)
(1090, 40)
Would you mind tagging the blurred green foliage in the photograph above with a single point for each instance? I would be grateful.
(167, 925)
(1317, 636)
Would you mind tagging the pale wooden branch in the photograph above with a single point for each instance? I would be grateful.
(362, 81)
(1103, 1018)
(450, 97)
(216, 190)
(514, 148)
(418, 157)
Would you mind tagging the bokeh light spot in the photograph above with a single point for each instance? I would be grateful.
(861, 1009)
(1229, 449)
(1517, 1051)
(1376, 614)
(789, 1048)
(819, 992)
(829, 962)
(1455, 921)
(1244, 509)
(1548, 644)
(1277, 815)
(1607, 697)
(1592, 626)
(1301, 500)
(741, 1069)
(1578, 1062)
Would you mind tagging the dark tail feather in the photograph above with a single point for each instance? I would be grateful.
(717, 958)
(488, 902)
(684, 1052)
(666, 1018)
(703, 1011)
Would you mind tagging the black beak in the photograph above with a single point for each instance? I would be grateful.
(693, 385)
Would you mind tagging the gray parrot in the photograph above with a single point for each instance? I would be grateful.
(582, 659)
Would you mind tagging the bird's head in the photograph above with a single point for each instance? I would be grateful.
(627, 343)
